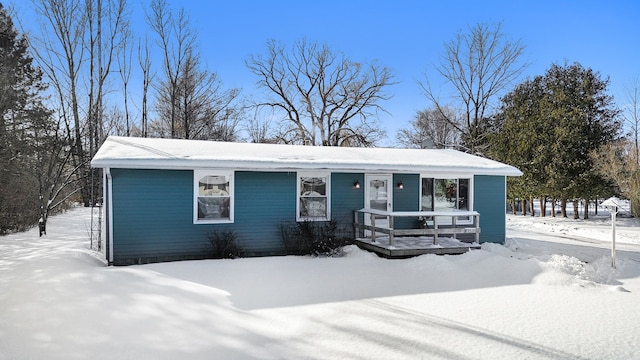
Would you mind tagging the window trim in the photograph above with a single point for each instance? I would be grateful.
(199, 174)
(305, 174)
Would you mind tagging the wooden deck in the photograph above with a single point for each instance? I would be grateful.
(390, 242)
(406, 247)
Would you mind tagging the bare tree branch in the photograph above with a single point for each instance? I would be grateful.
(323, 97)
(430, 128)
(479, 65)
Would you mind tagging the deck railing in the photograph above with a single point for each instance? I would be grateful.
(434, 227)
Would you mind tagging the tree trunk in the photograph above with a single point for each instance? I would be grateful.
(553, 207)
(524, 207)
(42, 226)
(513, 206)
(563, 207)
(576, 210)
(586, 209)
(543, 206)
(126, 109)
(531, 207)
(77, 147)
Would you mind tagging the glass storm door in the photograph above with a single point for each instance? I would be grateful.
(378, 196)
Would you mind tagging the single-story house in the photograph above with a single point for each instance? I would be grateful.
(163, 197)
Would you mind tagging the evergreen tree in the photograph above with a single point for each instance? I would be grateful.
(548, 127)
(24, 121)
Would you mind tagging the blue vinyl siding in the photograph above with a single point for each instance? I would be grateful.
(153, 216)
(406, 199)
(345, 199)
(153, 211)
(489, 200)
(263, 201)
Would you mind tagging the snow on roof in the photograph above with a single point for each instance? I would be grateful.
(155, 153)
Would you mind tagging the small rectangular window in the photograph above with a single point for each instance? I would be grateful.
(213, 200)
(313, 197)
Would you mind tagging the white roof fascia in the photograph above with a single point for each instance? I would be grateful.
(262, 166)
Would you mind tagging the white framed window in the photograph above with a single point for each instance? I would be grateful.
(213, 196)
(313, 196)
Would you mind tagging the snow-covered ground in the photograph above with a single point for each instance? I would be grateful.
(550, 293)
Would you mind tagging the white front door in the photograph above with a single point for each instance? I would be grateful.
(379, 196)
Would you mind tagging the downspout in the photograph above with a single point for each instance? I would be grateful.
(107, 191)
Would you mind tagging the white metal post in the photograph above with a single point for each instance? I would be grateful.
(613, 236)
(613, 206)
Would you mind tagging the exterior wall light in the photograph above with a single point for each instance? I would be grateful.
(400, 185)
(356, 184)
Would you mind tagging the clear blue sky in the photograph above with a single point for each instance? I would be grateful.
(408, 37)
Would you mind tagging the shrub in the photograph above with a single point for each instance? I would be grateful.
(312, 238)
(224, 244)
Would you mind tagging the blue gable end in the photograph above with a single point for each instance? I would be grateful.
(489, 200)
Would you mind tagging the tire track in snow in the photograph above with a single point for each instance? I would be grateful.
(467, 330)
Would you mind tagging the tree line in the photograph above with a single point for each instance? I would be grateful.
(562, 129)
(82, 56)
(67, 87)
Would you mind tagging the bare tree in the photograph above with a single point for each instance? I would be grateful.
(56, 181)
(618, 162)
(631, 113)
(124, 61)
(177, 40)
(479, 65)
(108, 29)
(259, 128)
(115, 122)
(77, 44)
(59, 51)
(203, 109)
(324, 98)
(431, 129)
(144, 59)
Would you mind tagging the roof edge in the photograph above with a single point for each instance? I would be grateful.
(179, 164)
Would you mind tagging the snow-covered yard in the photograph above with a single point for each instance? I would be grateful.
(549, 294)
